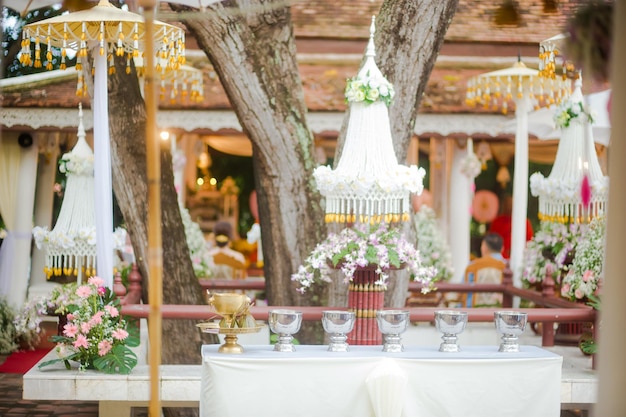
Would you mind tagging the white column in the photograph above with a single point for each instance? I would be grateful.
(44, 199)
(520, 190)
(459, 214)
(611, 360)
(102, 171)
(25, 201)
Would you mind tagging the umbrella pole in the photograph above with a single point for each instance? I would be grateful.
(102, 168)
(520, 189)
(155, 246)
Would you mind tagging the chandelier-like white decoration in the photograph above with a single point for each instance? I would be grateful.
(368, 185)
(562, 194)
(71, 245)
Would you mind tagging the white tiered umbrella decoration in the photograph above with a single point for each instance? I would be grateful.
(562, 195)
(105, 30)
(524, 87)
(71, 245)
(368, 185)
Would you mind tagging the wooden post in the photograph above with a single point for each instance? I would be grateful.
(155, 245)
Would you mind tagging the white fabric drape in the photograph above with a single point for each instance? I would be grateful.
(10, 159)
(102, 173)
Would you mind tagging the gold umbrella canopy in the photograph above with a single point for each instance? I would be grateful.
(499, 89)
(100, 26)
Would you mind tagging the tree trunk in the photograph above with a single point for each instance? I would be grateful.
(251, 47)
(128, 156)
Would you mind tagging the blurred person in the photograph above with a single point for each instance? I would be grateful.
(488, 269)
(503, 223)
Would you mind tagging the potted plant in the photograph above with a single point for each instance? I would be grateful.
(96, 335)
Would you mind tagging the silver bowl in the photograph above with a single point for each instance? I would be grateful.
(338, 324)
(392, 323)
(451, 323)
(510, 325)
(285, 323)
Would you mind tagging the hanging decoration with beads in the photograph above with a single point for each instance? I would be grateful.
(549, 52)
(498, 90)
(120, 30)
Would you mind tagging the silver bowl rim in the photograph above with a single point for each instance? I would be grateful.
(285, 311)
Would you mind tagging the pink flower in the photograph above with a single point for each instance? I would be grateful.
(579, 293)
(104, 347)
(97, 281)
(101, 290)
(70, 330)
(120, 334)
(81, 341)
(83, 291)
(85, 327)
(588, 276)
(113, 312)
(70, 316)
(565, 290)
(96, 319)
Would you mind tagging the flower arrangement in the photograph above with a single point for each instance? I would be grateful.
(569, 112)
(7, 328)
(369, 90)
(72, 163)
(583, 278)
(96, 335)
(431, 244)
(201, 259)
(361, 246)
(471, 166)
(28, 320)
(550, 251)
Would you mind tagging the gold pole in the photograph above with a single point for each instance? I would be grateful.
(155, 247)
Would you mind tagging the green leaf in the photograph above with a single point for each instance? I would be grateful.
(371, 255)
(50, 362)
(133, 334)
(394, 259)
(120, 360)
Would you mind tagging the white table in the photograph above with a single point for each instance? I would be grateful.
(420, 382)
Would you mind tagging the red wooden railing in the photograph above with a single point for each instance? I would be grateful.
(553, 308)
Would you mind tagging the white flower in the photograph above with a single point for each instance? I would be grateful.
(369, 90)
(432, 245)
(358, 247)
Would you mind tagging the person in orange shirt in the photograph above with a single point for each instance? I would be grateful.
(486, 270)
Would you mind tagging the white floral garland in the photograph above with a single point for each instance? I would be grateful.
(201, 260)
(71, 163)
(569, 112)
(369, 90)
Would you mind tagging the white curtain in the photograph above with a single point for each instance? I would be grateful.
(10, 158)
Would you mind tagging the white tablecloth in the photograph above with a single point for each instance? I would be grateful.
(311, 382)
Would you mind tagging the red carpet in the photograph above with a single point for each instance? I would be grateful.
(21, 362)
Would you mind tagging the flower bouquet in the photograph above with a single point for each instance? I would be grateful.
(584, 276)
(361, 246)
(432, 244)
(96, 336)
(550, 251)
